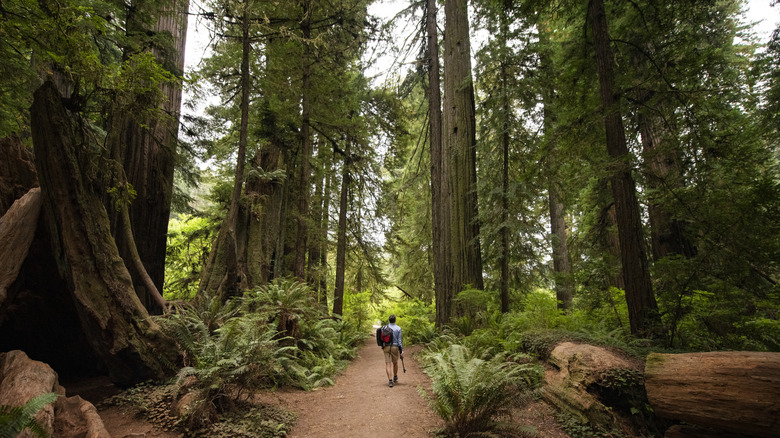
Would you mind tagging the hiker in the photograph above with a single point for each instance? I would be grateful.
(393, 350)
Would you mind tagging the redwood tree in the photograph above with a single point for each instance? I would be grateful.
(642, 307)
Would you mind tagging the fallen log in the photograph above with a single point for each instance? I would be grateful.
(732, 391)
(17, 229)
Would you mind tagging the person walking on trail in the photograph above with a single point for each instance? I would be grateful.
(393, 351)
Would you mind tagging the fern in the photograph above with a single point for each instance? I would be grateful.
(471, 389)
(13, 420)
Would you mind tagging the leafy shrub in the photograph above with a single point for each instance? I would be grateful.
(357, 309)
(289, 301)
(274, 336)
(471, 391)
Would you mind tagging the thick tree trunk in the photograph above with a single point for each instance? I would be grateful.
(564, 284)
(564, 281)
(460, 138)
(115, 323)
(148, 155)
(734, 391)
(440, 205)
(263, 215)
(341, 245)
(642, 307)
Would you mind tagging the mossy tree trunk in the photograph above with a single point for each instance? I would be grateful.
(115, 322)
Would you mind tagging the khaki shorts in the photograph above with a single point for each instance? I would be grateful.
(391, 353)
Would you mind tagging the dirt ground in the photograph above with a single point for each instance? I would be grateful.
(360, 404)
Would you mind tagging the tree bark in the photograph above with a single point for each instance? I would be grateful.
(341, 245)
(642, 307)
(115, 323)
(148, 155)
(17, 230)
(323, 294)
(440, 217)
(460, 135)
(505, 143)
(564, 282)
(17, 172)
(734, 391)
(227, 251)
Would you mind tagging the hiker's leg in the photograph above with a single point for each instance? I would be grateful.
(388, 362)
(395, 355)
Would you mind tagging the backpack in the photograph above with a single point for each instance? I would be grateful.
(384, 336)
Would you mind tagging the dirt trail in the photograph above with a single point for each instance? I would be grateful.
(351, 408)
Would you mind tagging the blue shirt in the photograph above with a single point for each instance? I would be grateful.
(397, 341)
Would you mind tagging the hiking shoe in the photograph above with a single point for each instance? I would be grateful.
(395, 379)
(390, 384)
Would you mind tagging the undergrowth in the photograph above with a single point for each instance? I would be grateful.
(274, 336)
(473, 390)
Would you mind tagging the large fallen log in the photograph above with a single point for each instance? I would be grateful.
(733, 391)
(17, 229)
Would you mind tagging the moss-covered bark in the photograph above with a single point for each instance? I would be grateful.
(115, 323)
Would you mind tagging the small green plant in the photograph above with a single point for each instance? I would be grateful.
(14, 420)
(471, 392)
(290, 301)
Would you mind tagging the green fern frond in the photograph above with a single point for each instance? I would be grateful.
(13, 420)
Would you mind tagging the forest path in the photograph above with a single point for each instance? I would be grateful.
(351, 407)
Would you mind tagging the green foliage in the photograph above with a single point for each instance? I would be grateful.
(472, 389)
(357, 309)
(189, 241)
(289, 301)
(415, 318)
(275, 335)
(15, 419)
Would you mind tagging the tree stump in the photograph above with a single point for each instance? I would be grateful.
(733, 391)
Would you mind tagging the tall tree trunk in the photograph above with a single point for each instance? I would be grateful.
(147, 153)
(642, 307)
(460, 135)
(440, 217)
(505, 141)
(115, 323)
(323, 294)
(663, 173)
(564, 281)
(262, 215)
(341, 246)
(226, 272)
(306, 142)
(312, 267)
